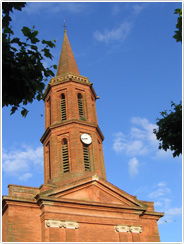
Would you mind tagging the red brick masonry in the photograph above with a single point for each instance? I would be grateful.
(86, 210)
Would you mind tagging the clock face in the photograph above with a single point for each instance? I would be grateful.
(86, 139)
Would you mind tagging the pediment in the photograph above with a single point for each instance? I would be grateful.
(93, 193)
(96, 190)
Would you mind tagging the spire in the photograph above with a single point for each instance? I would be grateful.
(67, 63)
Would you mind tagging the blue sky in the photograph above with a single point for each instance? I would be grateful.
(128, 52)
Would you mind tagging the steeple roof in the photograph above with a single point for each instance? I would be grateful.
(67, 63)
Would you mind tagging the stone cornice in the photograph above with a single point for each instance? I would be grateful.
(69, 78)
(31, 187)
(47, 200)
(12, 200)
(151, 215)
(68, 122)
(81, 204)
(17, 199)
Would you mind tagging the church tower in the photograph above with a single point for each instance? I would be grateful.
(72, 140)
(75, 203)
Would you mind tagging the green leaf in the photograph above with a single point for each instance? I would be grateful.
(24, 112)
(39, 97)
(47, 53)
(178, 33)
(26, 31)
(48, 43)
(19, 6)
(13, 109)
(54, 66)
(169, 131)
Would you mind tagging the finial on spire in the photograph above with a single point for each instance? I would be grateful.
(64, 26)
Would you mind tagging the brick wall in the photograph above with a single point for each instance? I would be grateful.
(22, 223)
(74, 215)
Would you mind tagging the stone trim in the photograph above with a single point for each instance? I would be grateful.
(95, 177)
(61, 224)
(135, 229)
(122, 228)
(69, 77)
(67, 122)
(129, 229)
(71, 225)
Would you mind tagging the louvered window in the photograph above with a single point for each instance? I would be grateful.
(80, 105)
(87, 165)
(65, 158)
(63, 107)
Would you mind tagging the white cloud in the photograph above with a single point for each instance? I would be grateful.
(137, 133)
(161, 184)
(166, 202)
(162, 201)
(138, 8)
(119, 142)
(136, 148)
(139, 141)
(133, 167)
(170, 215)
(160, 192)
(130, 147)
(146, 130)
(117, 34)
(142, 190)
(25, 176)
(121, 32)
(54, 7)
(174, 211)
(20, 162)
(157, 204)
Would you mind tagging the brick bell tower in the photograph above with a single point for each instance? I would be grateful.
(76, 203)
(72, 140)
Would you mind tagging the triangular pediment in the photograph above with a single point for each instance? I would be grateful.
(96, 190)
(93, 192)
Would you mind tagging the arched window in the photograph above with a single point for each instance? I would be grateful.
(87, 165)
(48, 159)
(48, 112)
(65, 157)
(63, 107)
(80, 105)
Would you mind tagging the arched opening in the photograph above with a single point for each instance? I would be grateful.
(87, 165)
(63, 107)
(80, 106)
(48, 111)
(48, 159)
(65, 157)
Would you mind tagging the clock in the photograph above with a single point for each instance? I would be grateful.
(86, 139)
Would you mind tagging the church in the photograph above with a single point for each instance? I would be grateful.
(75, 203)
